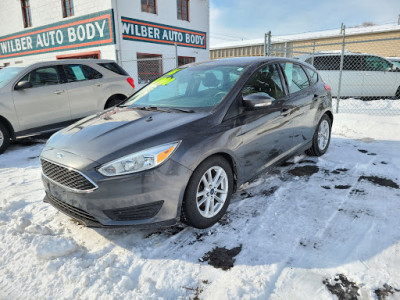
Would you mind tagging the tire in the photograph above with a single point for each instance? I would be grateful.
(206, 209)
(4, 138)
(114, 100)
(397, 95)
(321, 138)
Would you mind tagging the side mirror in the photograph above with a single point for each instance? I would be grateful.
(257, 100)
(23, 85)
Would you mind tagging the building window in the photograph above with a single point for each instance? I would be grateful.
(149, 67)
(183, 60)
(183, 9)
(149, 6)
(26, 13)
(67, 8)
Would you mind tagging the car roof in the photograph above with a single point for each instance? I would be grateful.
(66, 61)
(246, 61)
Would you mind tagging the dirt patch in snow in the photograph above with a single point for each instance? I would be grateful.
(380, 181)
(222, 258)
(362, 150)
(270, 191)
(341, 287)
(383, 292)
(307, 170)
(342, 187)
(339, 171)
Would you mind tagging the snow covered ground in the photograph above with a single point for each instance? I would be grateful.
(313, 229)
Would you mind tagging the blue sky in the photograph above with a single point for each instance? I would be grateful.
(249, 19)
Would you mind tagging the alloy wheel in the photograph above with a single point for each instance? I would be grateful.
(323, 134)
(212, 191)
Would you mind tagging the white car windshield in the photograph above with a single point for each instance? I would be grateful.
(7, 74)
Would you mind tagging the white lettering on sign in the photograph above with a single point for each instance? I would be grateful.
(100, 29)
(71, 34)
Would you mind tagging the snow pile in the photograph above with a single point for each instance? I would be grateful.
(314, 228)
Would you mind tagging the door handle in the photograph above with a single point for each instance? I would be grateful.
(58, 92)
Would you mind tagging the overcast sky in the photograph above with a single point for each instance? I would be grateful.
(249, 19)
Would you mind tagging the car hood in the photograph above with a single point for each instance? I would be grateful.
(122, 131)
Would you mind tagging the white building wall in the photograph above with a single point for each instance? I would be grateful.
(166, 14)
(46, 12)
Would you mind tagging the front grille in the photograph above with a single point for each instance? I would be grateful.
(132, 213)
(73, 211)
(66, 177)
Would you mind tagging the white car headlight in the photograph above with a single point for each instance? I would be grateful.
(139, 161)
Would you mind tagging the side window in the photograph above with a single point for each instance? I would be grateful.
(313, 75)
(296, 77)
(373, 63)
(353, 63)
(327, 62)
(42, 76)
(80, 73)
(265, 80)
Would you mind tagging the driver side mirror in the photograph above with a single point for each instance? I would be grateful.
(23, 85)
(257, 101)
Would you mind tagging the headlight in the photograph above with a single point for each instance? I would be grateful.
(139, 161)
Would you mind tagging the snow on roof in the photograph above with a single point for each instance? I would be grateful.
(310, 35)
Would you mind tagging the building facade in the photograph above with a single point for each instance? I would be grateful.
(383, 40)
(144, 36)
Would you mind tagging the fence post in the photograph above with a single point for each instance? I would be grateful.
(269, 43)
(343, 32)
(176, 55)
(313, 53)
(265, 44)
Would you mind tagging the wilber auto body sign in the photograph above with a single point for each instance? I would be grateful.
(144, 31)
(82, 32)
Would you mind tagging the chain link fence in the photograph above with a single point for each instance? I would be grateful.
(363, 73)
(145, 70)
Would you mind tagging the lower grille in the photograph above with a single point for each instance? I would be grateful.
(69, 178)
(73, 211)
(133, 213)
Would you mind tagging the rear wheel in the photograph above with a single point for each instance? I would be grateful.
(208, 193)
(4, 138)
(321, 138)
(114, 100)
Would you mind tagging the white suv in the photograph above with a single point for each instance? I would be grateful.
(363, 76)
(48, 96)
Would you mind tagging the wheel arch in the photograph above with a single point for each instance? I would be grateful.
(113, 96)
(8, 125)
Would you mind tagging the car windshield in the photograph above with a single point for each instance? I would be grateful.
(201, 86)
(7, 73)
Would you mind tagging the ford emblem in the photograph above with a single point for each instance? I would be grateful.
(59, 155)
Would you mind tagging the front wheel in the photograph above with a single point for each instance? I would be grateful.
(321, 138)
(208, 193)
(4, 138)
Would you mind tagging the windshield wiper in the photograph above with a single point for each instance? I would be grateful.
(151, 108)
(182, 109)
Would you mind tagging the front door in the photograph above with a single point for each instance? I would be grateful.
(45, 103)
(266, 133)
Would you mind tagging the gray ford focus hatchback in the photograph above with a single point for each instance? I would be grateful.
(178, 148)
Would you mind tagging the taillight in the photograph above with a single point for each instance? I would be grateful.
(131, 82)
(327, 87)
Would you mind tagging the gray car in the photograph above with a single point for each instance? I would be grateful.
(179, 147)
(48, 96)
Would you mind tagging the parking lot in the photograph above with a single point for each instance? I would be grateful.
(311, 229)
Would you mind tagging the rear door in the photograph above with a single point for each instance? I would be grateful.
(302, 102)
(45, 103)
(84, 90)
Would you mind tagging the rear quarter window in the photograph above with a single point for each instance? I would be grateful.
(114, 67)
(313, 75)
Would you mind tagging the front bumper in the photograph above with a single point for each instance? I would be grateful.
(151, 197)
